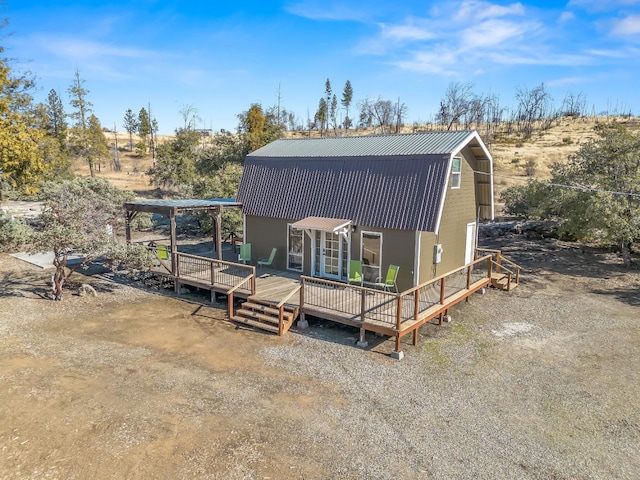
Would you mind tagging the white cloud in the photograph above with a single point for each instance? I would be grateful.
(438, 61)
(78, 48)
(494, 32)
(627, 26)
(479, 10)
(406, 32)
(567, 16)
(327, 11)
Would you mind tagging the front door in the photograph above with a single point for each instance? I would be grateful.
(330, 255)
(470, 243)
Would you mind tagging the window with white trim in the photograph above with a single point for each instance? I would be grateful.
(295, 249)
(456, 172)
(371, 255)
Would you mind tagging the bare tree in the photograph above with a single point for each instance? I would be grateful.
(190, 117)
(455, 105)
(400, 112)
(533, 105)
(574, 105)
(379, 113)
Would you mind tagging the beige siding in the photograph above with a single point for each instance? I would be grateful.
(427, 243)
(265, 233)
(459, 210)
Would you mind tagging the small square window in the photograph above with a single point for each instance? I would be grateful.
(456, 172)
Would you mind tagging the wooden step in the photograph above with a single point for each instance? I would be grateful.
(502, 282)
(288, 311)
(260, 316)
(256, 324)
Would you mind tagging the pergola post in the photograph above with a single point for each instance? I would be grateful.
(127, 226)
(173, 241)
(217, 219)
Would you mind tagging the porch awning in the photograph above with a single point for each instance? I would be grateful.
(322, 223)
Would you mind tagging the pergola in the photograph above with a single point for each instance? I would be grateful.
(172, 208)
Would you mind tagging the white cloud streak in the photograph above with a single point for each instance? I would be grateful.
(627, 26)
(79, 48)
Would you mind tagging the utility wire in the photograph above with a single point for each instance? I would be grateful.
(560, 185)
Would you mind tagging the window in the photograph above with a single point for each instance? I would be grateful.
(295, 246)
(456, 172)
(371, 254)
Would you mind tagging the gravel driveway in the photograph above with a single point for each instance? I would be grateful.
(539, 383)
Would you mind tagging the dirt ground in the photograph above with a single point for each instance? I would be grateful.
(136, 383)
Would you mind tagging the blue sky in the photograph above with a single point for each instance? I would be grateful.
(220, 57)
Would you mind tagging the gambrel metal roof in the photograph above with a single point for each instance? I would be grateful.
(385, 181)
(427, 143)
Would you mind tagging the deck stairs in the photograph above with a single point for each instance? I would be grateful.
(265, 315)
(501, 281)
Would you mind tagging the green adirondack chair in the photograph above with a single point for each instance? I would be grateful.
(245, 253)
(267, 262)
(355, 272)
(390, 279)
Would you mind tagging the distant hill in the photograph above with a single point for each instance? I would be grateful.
(515, 159)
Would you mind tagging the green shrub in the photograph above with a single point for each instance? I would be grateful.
(14, 233)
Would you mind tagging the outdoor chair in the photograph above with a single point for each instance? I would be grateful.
(355, 272)
(162, 252)
(267, 262)
(245, 253)
(390, 280)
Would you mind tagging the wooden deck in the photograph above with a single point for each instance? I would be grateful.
(284, 295)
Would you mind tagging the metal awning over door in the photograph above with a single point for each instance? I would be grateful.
(324, 224)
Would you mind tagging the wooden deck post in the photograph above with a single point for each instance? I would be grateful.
(253, 281)
(302, 322)
(468, 281)
(442, 285)
(230, 305)
(416, 303)
(174, 245)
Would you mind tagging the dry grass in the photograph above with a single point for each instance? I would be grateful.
(515, 159)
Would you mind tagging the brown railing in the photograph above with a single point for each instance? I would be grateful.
(280, 306)
(364, 305)
(212, 272)
(351, 302)
(512, 271)
(444, 290)
(251, 278)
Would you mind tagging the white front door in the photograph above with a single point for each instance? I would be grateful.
(330, 255)
(470, 243)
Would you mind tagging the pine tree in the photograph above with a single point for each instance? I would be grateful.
(144, 130)
(327, 92)
(130, 125)
(80, 141)
(347, 97)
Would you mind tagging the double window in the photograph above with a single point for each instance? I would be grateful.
(456, 172)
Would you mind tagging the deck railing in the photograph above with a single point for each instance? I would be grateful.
(503, 265)
(365, 305)
(211, 271)
(356, 303)
(242, 284)
(430, 296)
